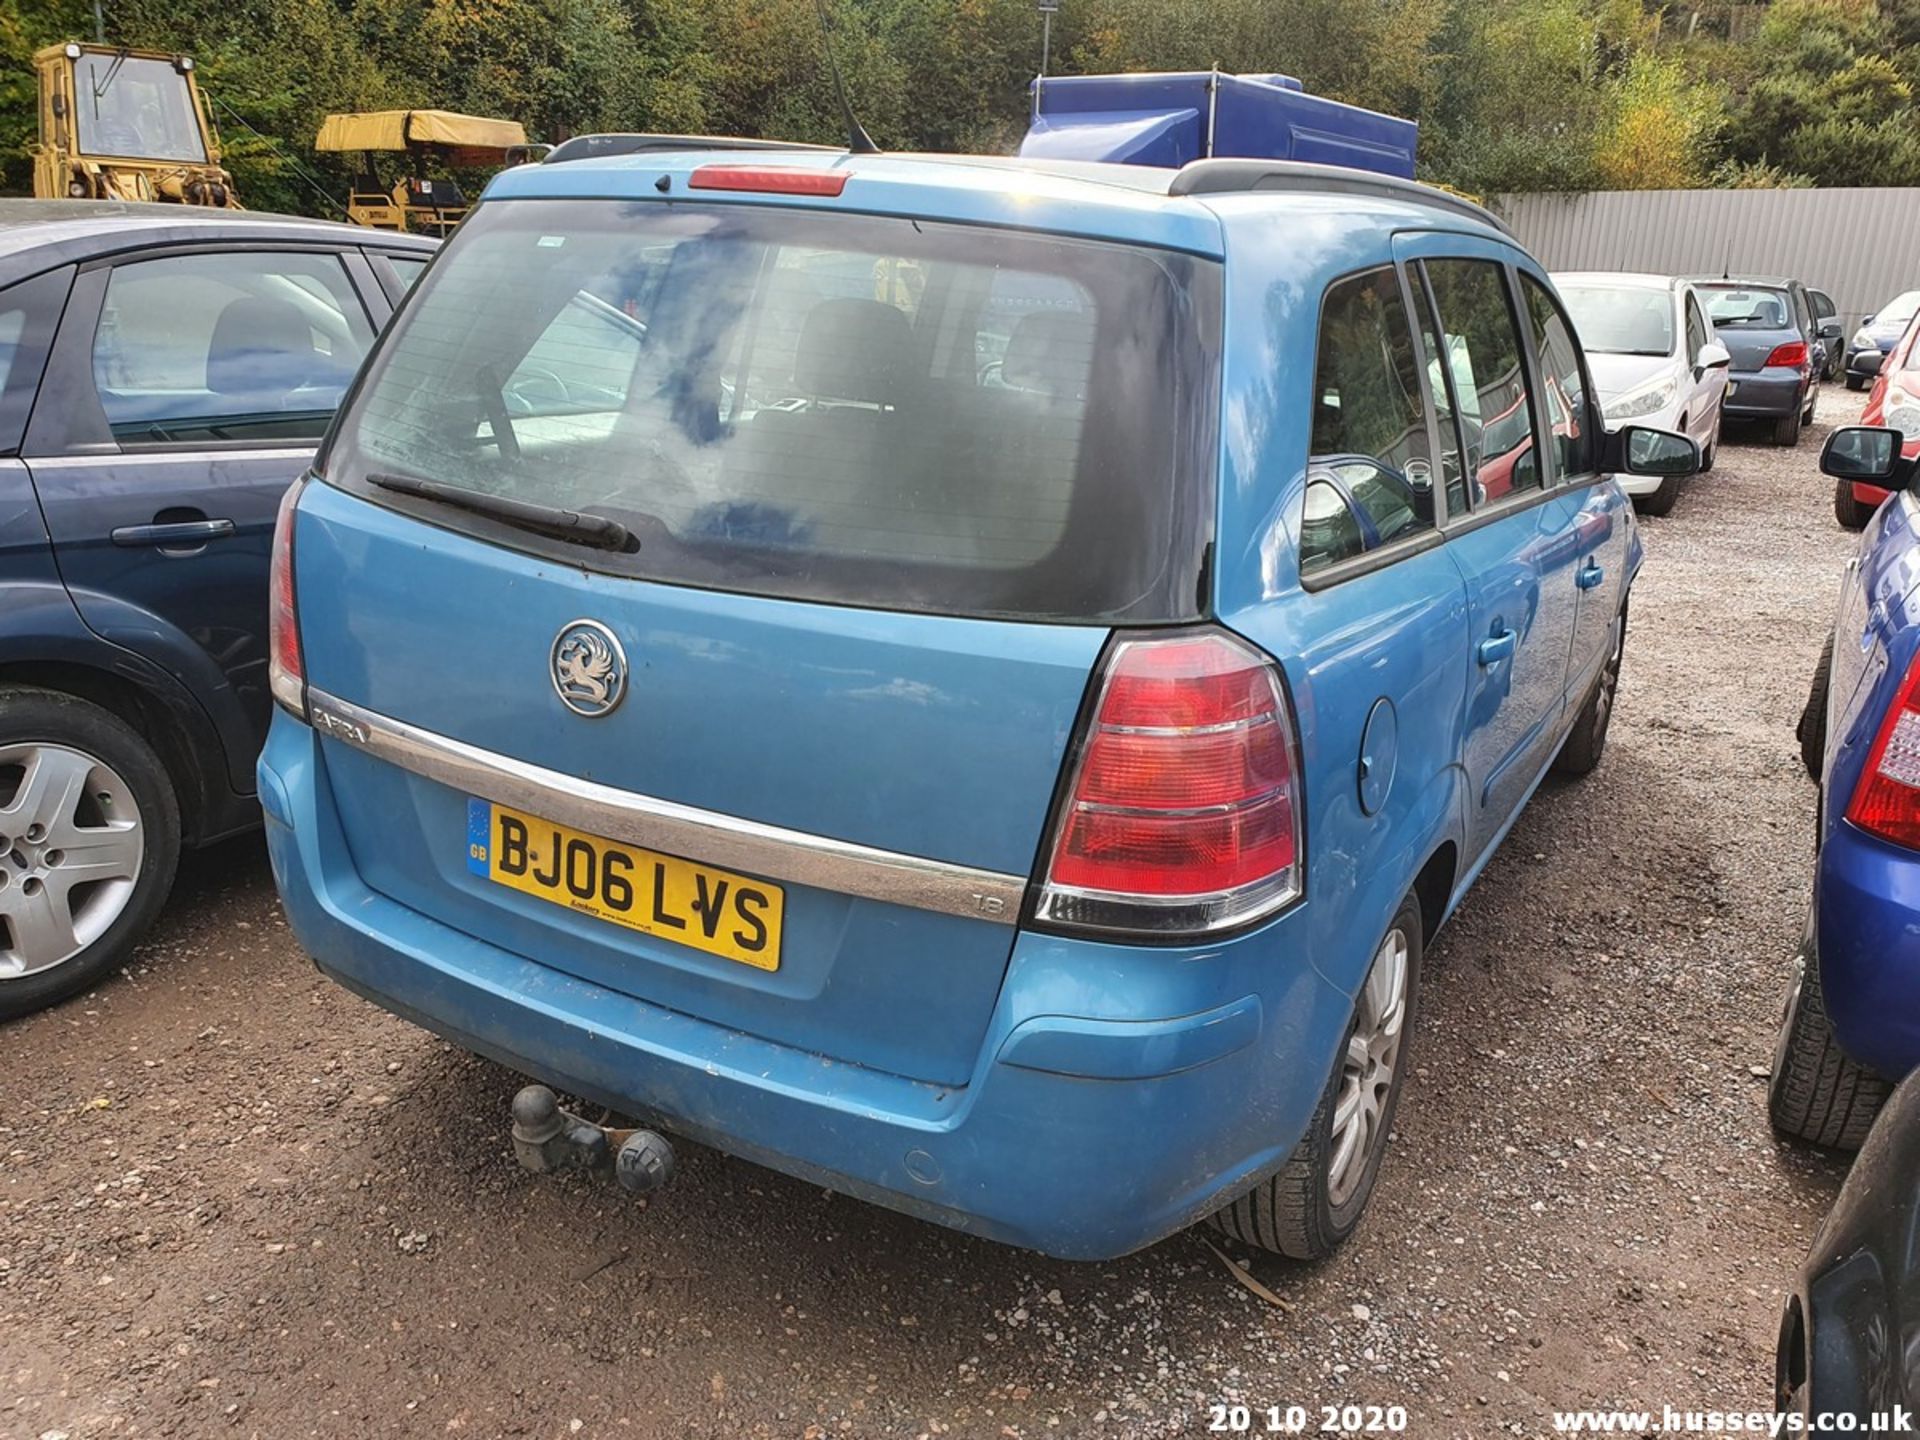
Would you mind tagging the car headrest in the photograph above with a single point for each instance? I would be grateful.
(854, 350)
(260, 346)
(1050, 353)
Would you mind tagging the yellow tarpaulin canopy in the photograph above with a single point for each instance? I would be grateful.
(396, 129)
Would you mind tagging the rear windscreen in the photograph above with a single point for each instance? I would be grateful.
(853, 408)
(1734, 308)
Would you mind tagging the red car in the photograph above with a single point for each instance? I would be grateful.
(1893, 402)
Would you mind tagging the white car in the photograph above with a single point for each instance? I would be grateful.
(1656, 360)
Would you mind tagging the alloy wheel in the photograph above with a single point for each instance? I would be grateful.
(71, 844)
(1368, 1069)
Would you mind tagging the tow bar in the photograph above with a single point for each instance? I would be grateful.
(547, 1138)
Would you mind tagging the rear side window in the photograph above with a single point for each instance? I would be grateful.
(1370, 468)
(29, 311)
(840, 407)
(1484, 358)
(250, 345)
(1569, 422)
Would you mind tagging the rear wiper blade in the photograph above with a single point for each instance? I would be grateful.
(597, 532)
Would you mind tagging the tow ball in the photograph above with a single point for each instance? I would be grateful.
(547, 1137)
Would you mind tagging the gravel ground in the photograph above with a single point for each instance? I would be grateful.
(235, 1200)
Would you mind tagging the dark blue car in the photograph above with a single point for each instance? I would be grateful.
(1852, 1021)
(164, 373)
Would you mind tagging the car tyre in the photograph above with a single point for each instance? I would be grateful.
(1812, 729)
(1851, 513)
(70, 770)
(1817, 1092)
(1308, 1209)
(1661, 501)
(1587, 741)
(1711, 452)
(1855, 382)
(1786, 430)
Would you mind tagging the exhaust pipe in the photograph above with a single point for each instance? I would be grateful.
(548, 1138)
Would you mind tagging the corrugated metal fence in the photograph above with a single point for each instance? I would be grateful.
(1860, 246)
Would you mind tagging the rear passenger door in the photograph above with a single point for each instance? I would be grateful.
(187, 388)
(1511, 531)
(1384, 637)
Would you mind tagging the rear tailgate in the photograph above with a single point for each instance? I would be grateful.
(920, 735)
(889, 485)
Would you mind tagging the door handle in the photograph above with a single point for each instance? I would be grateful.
(1590, 574)
(178, 532)
(1499, 647)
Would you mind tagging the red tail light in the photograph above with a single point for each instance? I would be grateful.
(1790, 356)
(768, 179)
(1184, 812)
(286, 671)
(1886, 801)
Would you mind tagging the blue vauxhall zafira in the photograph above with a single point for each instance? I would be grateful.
(970, 682)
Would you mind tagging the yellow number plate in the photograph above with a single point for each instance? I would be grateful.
(712, 910)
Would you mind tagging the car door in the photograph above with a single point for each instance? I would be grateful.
(187, 388)
(1602, 537)
(1512, 534)
(1709, 381)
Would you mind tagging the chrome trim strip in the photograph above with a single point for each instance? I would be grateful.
(703, 835)
(304, 454)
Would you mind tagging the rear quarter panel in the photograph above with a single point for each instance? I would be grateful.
(1399, 632)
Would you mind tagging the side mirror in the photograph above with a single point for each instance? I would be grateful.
(1868, 362)
(1642, 450)
(1861, 452)
(1713, 356)
(1829, 329)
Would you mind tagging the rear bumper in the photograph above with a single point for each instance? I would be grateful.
(1761, 393)
(1122, 1093)
(1867, 895)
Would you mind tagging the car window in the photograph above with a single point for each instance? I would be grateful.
(407, 267)
(1801, 312)
(1822, 303)
(1697, 334)
(251, 345)
(1369, 450)
(1569, 420)
(28, 313)
(861, 409)
(1741, 308)
(1621, 319)
(1899, 310)
(1484, 357)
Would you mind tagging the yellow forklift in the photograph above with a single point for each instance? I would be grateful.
(416, 202)
(120, 124)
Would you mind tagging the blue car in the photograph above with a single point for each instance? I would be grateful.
(971, 682)
(1852, 1021)
(165, 374)
(1878, 333)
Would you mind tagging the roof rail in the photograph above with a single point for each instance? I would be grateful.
(597, 147)
(1225, 176)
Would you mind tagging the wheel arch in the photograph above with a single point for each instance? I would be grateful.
(193, 764)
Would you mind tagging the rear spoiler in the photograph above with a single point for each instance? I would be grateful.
(600, 147)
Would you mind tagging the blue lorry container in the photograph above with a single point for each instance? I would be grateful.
(1173, 119)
